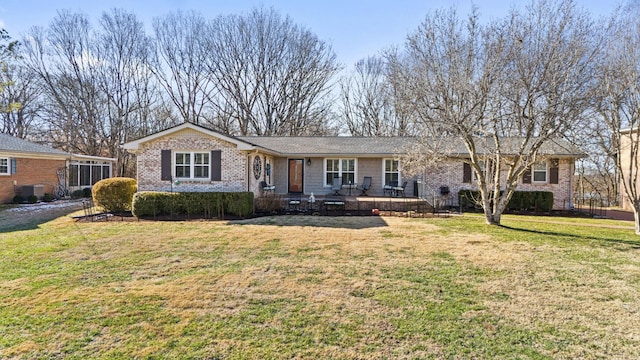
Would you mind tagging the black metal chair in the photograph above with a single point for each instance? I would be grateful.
(366, 185)
(389, 188)
(400, 189)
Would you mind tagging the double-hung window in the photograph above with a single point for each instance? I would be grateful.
(391, 172)
(483, 169)
(540, 172)
(345, 168)
(192, 165)
(4, 166)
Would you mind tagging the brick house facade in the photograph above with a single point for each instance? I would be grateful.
(27, 168)
(189, 157)
(628, 139)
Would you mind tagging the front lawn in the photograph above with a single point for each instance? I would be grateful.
(320, 287)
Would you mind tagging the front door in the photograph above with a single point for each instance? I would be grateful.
(296, 167)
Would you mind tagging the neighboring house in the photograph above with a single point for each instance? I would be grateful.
(627, 137)
(27, 168)
(189, 157)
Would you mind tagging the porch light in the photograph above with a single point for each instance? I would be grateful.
(308, 161)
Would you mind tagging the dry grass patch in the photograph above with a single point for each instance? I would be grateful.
(317, 287)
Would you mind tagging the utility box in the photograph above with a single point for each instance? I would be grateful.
(29, 190)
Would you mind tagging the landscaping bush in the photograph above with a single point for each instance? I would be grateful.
(469, 199)
(77, 194)
(47, 197)
(207, 204)
(32, 199)
(114, 194)
(18, 199)
(537, 201)
(87, 192)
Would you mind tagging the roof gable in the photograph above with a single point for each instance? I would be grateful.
(242, 145)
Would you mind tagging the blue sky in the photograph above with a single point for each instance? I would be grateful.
(354, 28)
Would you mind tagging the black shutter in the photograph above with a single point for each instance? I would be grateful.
(165, 171)
(526, 176)
(216, 165)
(13, 166)
(466, 173)
(554, 171)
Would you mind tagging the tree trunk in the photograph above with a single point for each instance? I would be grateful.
(636, 217)
(490, 218)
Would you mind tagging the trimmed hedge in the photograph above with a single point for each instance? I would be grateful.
(209, 204)
(114, 194)
(538, 201)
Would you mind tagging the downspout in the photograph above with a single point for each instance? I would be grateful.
(248, 167)
(572, 173)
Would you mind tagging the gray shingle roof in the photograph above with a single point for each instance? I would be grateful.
(386, 146)
(14, 144)
(331, 145)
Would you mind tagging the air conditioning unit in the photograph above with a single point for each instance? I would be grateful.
(29, 190)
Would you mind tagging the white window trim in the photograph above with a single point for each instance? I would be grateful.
(89, 163)
(8, 166)
(384, 173)
(324, 169)
(482, 164)
(192, 165)
(546, 173)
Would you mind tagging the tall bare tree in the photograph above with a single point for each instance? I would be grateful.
(62, 59)
(7, 58)
(272, 77)
(368, 102)
(21, 101)
(619, 101)
(179, 64)
(122, 51)
(503, 91)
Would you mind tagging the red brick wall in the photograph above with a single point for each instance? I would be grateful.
(30, 172)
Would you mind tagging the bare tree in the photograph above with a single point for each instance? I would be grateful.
(179, 64)
(122, 52)
(503, 91)
(62, 59)
(367, 100)
(7, 58)
(272, 77)
(21, 101)
(619, 101)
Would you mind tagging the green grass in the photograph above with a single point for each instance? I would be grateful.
(318, 287)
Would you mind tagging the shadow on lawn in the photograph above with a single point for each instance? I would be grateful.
(634, 244)
(32, 218)
(338, 222)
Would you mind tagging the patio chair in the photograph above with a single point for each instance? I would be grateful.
(336, 186)
(266, 188)
(366, 185)
(400, 189)
(389, 187)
